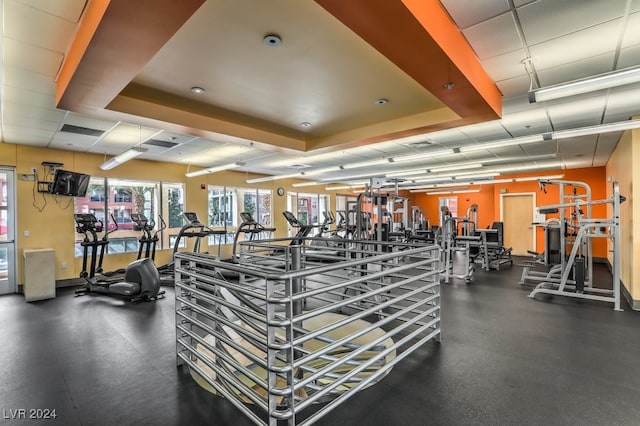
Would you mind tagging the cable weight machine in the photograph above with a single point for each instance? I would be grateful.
(580, 262)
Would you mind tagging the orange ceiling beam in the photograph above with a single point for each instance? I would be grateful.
(115, 40)
(420, 38)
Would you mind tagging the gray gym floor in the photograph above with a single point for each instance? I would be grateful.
(504, 360)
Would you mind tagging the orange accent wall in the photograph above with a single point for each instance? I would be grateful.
(488, 199)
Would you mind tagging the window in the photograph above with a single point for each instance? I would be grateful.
(308, 208)
(113, 201)
(226, 204)
(451, 203)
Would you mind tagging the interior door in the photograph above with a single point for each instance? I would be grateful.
(517, 215)
(7, 231)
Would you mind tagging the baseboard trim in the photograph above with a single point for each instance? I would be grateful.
(72, 282)
(635, 304)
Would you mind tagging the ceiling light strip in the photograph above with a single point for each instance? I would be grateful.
(123, 158)
(215, 169)
(586, 85)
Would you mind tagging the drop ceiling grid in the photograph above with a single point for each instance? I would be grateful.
(563, 114)
(31, 58)
(36, 28)
(69, 10)
(31, 116)
(593, 41)
(547, 20)
(494, 37)
(582, 68)
(527, 122)
(467, 13)
(506, 66)
(629, 57)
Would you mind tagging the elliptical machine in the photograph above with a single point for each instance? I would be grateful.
(141, 282)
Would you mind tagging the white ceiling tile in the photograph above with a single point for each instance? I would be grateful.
(466, 13)
(128, 134)
(550, 19)
(545, 148)
(527, 122)
(69, 10)
(575, 70)
(514, 86)
(494, 37)
(20, 134)
(505, 66)
(632, 33)
(482, 131)
(34, 27)
(519, 3)
(31, 58)
(25, 79)
(606, 144)
(629, 57)
(577, 147)
(587, 112)
(28, 97)
(622, 104)
(576, 46)
(66, 140)
(31, 116)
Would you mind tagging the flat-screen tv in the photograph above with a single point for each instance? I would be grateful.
(70, 183)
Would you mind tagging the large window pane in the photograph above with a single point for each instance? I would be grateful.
(113, 204)
(226, 204)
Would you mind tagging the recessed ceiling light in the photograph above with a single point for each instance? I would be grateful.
(272, 40)
(305, 124)
(197, 90)
(382, 101)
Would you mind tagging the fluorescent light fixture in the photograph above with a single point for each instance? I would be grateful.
(306, 184)
(586, 85)
(523, 167)
(461, 191)
(458, 176)
(366, 163)
(406, 173)
(275, 177)
(454, 167)
(215, 169)
(596, 130)
(431, 154)
(123, 158)
(354, 185)
(503, 143)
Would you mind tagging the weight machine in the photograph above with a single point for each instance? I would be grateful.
(580, 259)
(575, 202)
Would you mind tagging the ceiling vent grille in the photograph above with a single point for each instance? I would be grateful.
(160, 143)
(70, 128)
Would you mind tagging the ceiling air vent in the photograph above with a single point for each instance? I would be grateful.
(160, 143)
(69, 128)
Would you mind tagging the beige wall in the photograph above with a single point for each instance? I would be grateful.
(624, 167)
(49, 220)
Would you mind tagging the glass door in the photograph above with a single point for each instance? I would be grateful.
(7, 231)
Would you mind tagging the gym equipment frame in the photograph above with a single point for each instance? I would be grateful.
(589, 228)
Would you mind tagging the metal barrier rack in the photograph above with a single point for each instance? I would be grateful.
(277, 335)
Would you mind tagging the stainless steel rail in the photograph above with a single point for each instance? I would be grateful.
(304, 324)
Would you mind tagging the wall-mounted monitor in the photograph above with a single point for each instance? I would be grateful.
(70, 183)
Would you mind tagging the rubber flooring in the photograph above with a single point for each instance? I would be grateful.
(504, 359)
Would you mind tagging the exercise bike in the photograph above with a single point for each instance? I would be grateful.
(141, 280)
